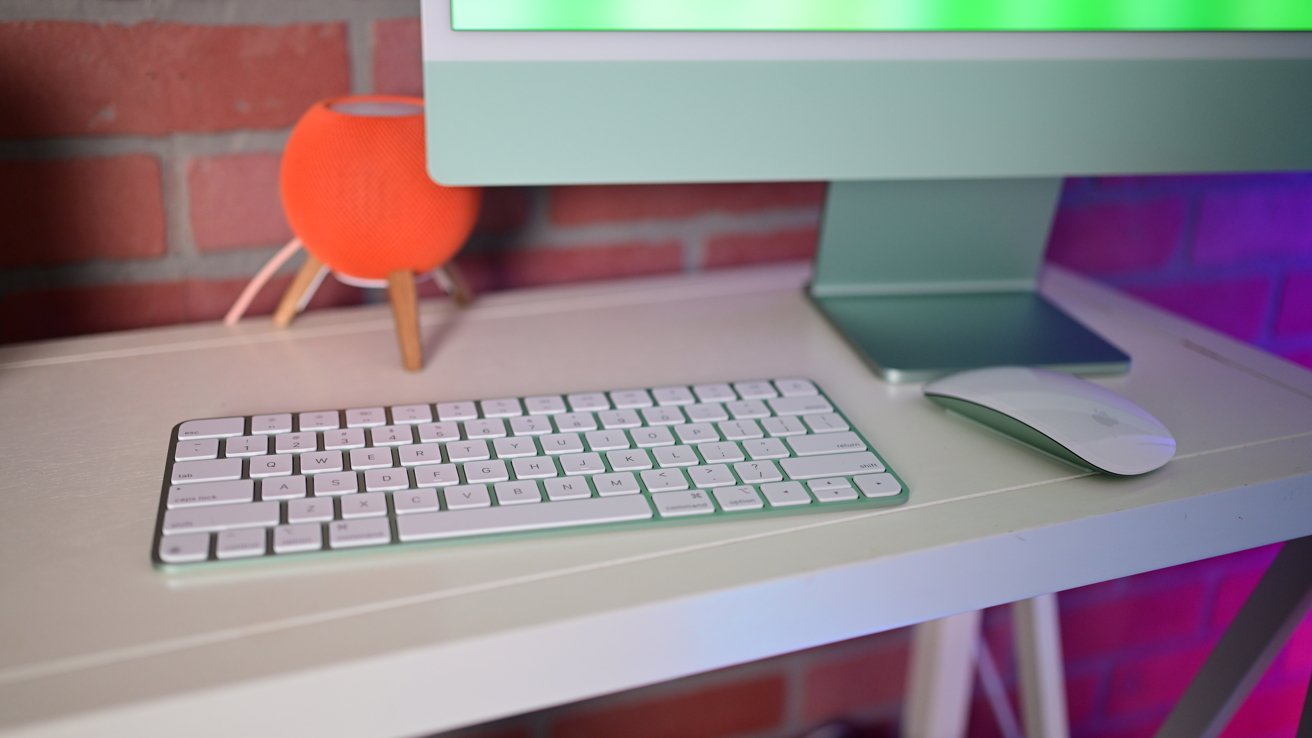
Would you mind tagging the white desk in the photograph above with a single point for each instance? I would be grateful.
(96, 642)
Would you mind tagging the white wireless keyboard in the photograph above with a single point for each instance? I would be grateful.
(293, 483)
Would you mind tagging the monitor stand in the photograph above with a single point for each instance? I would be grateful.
(929, 277)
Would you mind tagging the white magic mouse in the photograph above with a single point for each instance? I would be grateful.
(1071, 418)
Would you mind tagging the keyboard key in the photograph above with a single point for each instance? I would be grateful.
(481, 472)
(706, 412)
(765, 448)
(295, 443)
(714, 393)
(486, 428)
(534, 467)
(459, 451)
(785, 494)
(321, 461)
(271, 424)
(875, 486)
(663, 480)
(319, 421)
(681, 503)
(449, 524)
(370, 458)
(611, 419)
(437, 475)
(649, 437)
(187, 548)
(800, 405)
(220, 517)
(690, 433)
(575, 422)
(365, 417)
(826, 423)
(738, 430)
(356, 533)
(735, 499)
(342, 439)
(503, 407)
(662, 415)
(309, 510)
(713, 475)
(723, 451)
(566, 488)
(391, 435)
(465, 496)
(747, 409)
(673, 396)
(367, 505)
(826, 443)
(297, 538)
(211, 428)
(529, 425)
(211, 493)
(783, 426)
(586, 402)
(755, 390)
(456, 411)
(278, 465)
(607, 440)
(415, 500)
(386, 480)
(438, 432)
(246, 445)
(335, 484)
(832, 465)
(520, 492)
(675, 456)
(205, 448)
(757, 472)
(616, 483)
(795, 387)
(514, 447)
(627, 399)
(575, 464)
(418, 454)
(211, 470)
(561, 443)
(834, 494)
(544, 404)
(832, 483)
(239, 544)
(283, 488)
(628, 460)
(411, 414)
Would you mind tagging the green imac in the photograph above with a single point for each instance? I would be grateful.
(944, 127)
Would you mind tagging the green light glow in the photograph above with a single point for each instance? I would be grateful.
(881, 15)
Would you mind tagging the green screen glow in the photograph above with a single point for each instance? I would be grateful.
(881, 15)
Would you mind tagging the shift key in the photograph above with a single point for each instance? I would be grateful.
(221, 517)
(832, 465)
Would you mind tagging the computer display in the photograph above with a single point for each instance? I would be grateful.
(945, 149)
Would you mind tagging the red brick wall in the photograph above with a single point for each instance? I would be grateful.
(138, 184)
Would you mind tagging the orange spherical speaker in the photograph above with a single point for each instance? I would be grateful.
(356, 193)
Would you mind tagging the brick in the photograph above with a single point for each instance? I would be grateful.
(1119, 237)
(589, 204)
(503, 269)
(712, 712)
(398, 56)
(1237, 307)
(1240, 226)
(70, 311)
(1153, 682)
(1294, 315)
(1161, 616)
(737, 249)
(234, 202)
(868, 679)
(73, 78)
(73, 210)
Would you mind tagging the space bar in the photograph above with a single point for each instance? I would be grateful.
(510, 519)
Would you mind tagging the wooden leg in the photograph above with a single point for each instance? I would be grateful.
(1250, 643)
(452, 280)
(282, 317)
(1042, 675)
(401, 292)
(942, 672)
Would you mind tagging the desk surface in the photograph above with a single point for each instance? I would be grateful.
(407, 641)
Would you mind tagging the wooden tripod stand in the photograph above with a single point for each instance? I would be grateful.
(400, 293)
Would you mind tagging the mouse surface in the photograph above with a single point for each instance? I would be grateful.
(1071, 418)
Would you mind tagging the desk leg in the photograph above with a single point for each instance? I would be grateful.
(1042, 674)
(1248, 646)
(942, 672)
